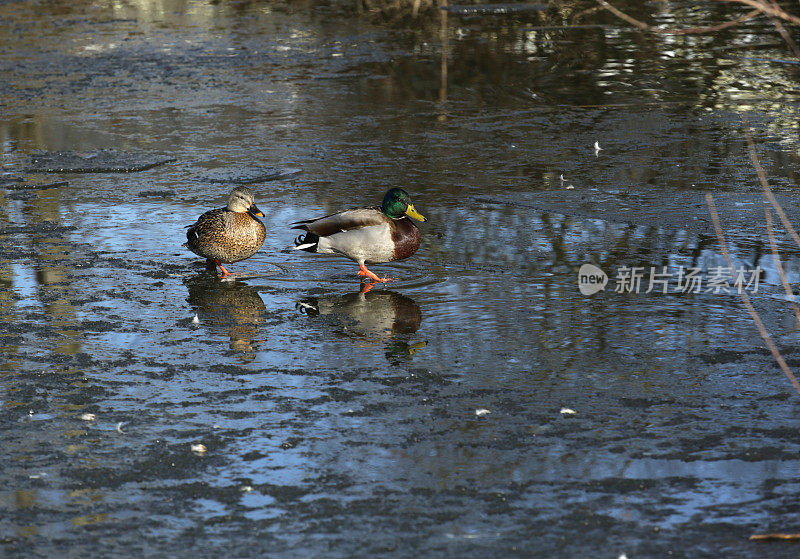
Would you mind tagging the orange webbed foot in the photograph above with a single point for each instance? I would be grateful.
(362, 271)
(225, 273)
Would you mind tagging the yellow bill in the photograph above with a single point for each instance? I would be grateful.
(412, 213)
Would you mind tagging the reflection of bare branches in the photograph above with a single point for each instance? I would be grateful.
(768, 8)
(785, 34)
(396, 10)
(762, 177)
(765, 7)
(689, 31)
(776, 257)
(712, 209)
(768, 196)
(445, 54)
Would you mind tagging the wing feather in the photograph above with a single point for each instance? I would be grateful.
(347, 220)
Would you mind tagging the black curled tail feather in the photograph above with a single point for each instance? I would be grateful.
(191, 236)
(308, 242)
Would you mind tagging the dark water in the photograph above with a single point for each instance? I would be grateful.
(337, 423)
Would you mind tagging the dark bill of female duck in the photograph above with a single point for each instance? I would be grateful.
(228, 234)
(366, 235)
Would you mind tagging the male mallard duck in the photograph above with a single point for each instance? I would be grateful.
(368, 235)
(229, 234)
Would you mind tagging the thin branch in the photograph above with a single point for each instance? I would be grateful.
(712, 209)
(762, 177)
(769, 10)
(689, 31)
(776, 257)
(783, 33)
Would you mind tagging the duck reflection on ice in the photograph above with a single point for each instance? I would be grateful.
(371, 317)
(231, 308)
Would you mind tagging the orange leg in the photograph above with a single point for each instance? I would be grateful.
(225, 272)
(362, 271)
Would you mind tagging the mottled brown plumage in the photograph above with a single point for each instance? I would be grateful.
(229, 234)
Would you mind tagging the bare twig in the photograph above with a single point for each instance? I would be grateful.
(586, 12)
(762, 537)
(778, 265)
(712, 209)
(689, 31)
(762, 177)
(767, 9)
(783, 33)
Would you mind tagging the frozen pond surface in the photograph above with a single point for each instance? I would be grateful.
(342, 424)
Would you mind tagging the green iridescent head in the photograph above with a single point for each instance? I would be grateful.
(397, 203)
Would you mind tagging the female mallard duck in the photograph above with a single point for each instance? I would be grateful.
(229, 234)
(368, 235)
